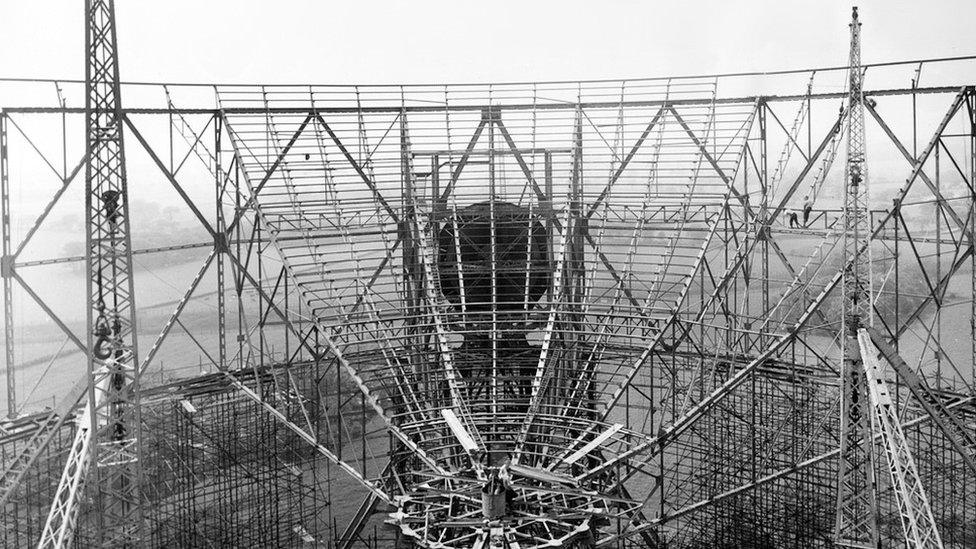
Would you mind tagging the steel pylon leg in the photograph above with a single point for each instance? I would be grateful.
(856, 519)
(917, 520)
(104, 460)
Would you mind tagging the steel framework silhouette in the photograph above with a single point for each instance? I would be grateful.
(598, 287)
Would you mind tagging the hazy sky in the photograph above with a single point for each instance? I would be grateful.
(444, 41)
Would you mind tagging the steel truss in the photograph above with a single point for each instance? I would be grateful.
(680, 382)
(857, 514)
(104, 457)
(916, 513)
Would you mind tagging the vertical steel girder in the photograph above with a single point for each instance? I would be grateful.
(971, 105)
(917, 520)
(6, 272)
(856, 521)
(857, 275)
(220, 245)
(105, 455)
(111, 308)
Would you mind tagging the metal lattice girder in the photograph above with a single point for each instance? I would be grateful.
(25, 458)
(62, 519)
(45, 432)
(856, 521)
(962, 438)
(857, 513)
(916, 514)
(110, 453)
(857, 226)
(106, 441)
(699, 264)
(971, 104)
(6, 271)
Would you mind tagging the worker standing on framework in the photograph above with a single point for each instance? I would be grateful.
(792, 216)
(807, 208)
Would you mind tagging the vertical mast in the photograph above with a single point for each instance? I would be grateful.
(6, 272)
(113, 364)
(857, 279)
(856, 522)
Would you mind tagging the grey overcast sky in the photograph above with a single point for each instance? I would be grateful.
(253, 41)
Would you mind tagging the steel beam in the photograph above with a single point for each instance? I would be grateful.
(6, 272)
(918, 523)
(958, 434)
(555, 106)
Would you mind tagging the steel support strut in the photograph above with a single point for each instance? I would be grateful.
(6, 272)
(105, 458)
(917, 520)
(113, 358)
(856, 520)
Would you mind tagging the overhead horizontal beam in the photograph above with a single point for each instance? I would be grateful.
(398, 108)
(679, 78)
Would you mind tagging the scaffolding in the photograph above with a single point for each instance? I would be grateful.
(591, 286)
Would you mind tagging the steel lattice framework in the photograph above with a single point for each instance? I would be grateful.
(916, 513)
(857, 514)
(598, 280)
(104, 456)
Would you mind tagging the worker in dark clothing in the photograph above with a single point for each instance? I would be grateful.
(807, 208)
(505, 477)
(794, 219)
(856, 177)
(110, 203)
